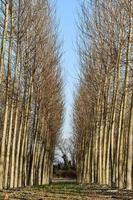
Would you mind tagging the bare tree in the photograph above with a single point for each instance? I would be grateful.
(32, 104)
(103, 105)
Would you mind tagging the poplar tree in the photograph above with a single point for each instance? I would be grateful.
(103, 104)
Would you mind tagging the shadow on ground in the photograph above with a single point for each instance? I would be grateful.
(62, 189)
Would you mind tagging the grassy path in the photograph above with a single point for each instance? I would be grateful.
(64, 191)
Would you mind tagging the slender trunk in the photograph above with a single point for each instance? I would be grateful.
(6, 181)
(13, 150)
(3, 42)
(2, 157)
(101, 145)
(115, 104)
(130, 150)
(35, 131)
(45, 177)
(12, 107)
(33, 162)
(12, 177)
(118, 145)
(24, 139)
(18, 152)
(126, 82)
(40, 168)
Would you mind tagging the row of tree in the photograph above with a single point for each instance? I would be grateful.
(31, 102)
(103, 111)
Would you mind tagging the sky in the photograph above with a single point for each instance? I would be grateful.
(67, 12)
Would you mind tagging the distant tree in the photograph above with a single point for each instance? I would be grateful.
(66, 149)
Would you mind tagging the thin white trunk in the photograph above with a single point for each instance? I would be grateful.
(40, 168)
(2, 156)
(13, 151)
(18, 152)
(33, 163)
(8, 149)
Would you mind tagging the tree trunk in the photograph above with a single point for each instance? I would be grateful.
(130, 151)
(3, 42)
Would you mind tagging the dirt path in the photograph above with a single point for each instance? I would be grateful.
(65, 191)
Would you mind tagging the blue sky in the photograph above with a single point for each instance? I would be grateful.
(67, 11)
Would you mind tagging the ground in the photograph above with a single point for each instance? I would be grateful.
(65, 191)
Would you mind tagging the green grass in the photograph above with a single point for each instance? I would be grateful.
(66, 190)
(64, 187)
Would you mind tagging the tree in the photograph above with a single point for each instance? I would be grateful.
(31, 108)
(103, 104)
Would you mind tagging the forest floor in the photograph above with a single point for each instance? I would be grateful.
(65, 191)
